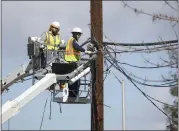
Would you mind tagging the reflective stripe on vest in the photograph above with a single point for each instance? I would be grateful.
(70, 53)
(52, 41)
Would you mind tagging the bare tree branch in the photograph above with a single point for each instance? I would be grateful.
(154, 16)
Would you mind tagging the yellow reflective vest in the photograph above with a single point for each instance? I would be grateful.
(52, 41)
(71, 55)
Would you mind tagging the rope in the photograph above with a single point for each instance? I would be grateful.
(60, 108)
(50, 107)
(43, 114)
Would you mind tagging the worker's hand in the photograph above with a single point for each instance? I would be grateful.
(63, 42)
(88, 52)
(42, 46)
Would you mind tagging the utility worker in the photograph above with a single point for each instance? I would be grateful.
(53, 39)
(72, 56)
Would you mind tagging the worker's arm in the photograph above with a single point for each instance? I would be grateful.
(77, 47)
(43, 37)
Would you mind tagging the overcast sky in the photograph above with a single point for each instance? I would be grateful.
(23, 19)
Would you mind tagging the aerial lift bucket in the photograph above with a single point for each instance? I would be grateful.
(65, 68)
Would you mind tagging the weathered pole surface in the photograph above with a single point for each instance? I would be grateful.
(97, 112)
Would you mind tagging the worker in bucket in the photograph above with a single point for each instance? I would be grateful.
(52, 37)
(53, 40)
(72, 56)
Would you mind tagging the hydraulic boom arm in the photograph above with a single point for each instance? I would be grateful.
(21, 73)
(11, 108)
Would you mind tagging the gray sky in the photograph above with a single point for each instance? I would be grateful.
(23, 19)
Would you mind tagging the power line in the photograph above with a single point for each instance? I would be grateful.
(147, 94)
(161, 85)
(128, 77)
(142, 44)
(171, 84)
(136, 81)
(161, 81)
(147, 50)
(166, 2)
(144, 67)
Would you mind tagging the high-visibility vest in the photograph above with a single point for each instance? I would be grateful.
(71, 55)
(50, 40)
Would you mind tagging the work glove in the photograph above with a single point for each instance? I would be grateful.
(63, 42)
(88, 52)
(42, 46)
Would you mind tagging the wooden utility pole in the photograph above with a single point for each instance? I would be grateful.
(97, 93)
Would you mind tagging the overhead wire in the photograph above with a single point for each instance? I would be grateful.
(115, 55)
(140, 51)
(175, 81)
(138, 77)
(106, 71)
(148, 50)
(145, 80)
(142, 44)
(151, 98)
(114, 60)
(166, 2)
(148, 95)
(131, 49)
(144, 67)
(150, 85)
(143, 92)
(147, 44)
(160, 46)
(159, 81)
(121, 70)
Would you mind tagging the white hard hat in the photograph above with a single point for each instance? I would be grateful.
(55, 24)
(76, 29)
(63, 42)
